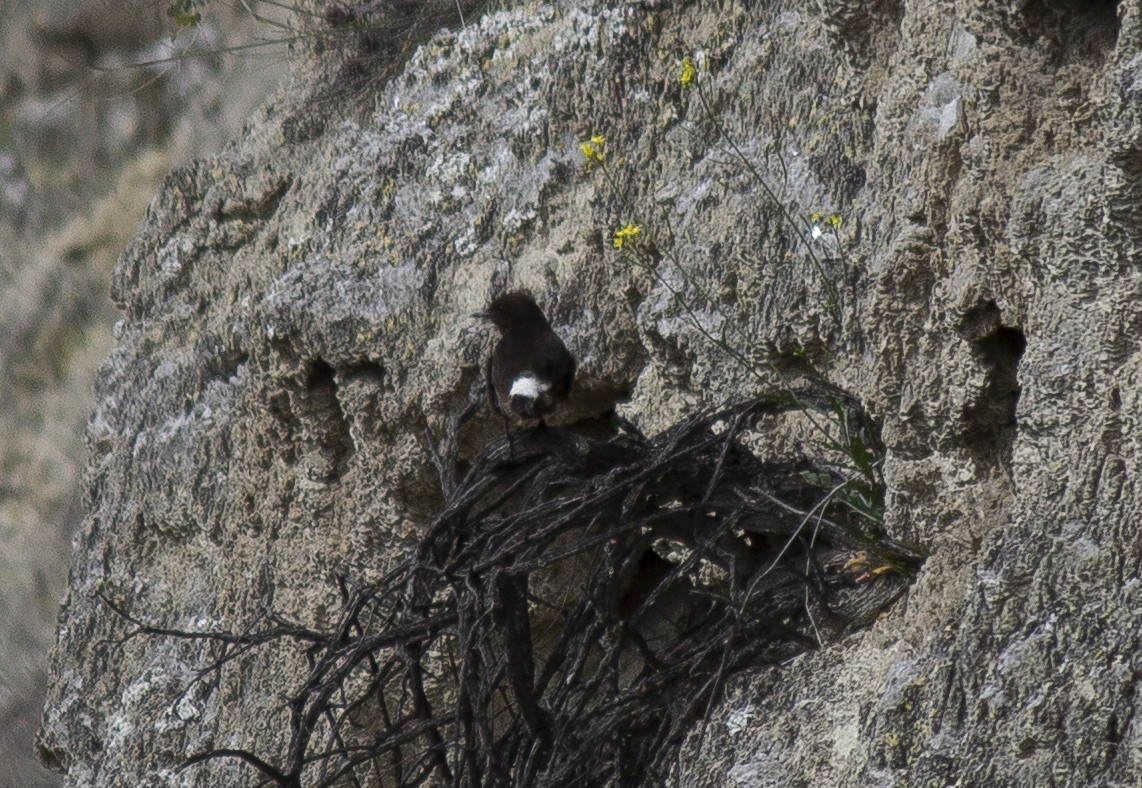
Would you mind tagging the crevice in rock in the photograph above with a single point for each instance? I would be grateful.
(324, 426)
(361, 389)
(990, 419)
(366, 371)
(1081, 30)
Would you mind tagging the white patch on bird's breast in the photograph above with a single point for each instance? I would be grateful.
(528, 386)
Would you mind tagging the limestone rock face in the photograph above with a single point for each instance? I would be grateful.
(933, 205)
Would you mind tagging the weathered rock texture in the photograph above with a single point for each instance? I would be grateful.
(296, 333)
(84, 141)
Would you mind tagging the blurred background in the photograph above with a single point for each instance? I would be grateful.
(99, 99)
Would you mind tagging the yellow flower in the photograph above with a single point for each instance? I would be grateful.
(689, 71)
(821, 223)
(594, 149)
(627, 233)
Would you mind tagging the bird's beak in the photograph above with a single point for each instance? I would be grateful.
(481, 316)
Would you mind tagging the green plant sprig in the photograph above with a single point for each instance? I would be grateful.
(860, 486)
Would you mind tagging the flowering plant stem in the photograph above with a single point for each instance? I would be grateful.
(860, 485)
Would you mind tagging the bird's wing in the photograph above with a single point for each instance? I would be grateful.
(559, 363)
(492, 398)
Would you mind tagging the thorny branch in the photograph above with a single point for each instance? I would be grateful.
(573, 610)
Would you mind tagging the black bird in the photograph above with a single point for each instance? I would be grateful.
(530, 369)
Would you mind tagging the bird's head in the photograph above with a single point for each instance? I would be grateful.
(514, 311)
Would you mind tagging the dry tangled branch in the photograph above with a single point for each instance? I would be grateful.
(575, 607)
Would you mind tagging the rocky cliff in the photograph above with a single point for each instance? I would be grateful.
(933, 205)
